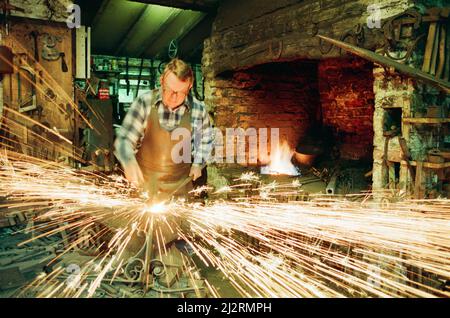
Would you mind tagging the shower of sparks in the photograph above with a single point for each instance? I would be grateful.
(326, 247)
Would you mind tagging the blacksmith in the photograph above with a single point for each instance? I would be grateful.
(144, 144)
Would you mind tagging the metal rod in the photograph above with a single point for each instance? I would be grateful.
(376, 58)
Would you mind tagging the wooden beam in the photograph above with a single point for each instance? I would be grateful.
(410, 120)
(418, 187)
(151, 39)
(99, 13)
(194, 5)
(180, 26)
(429, 47)
(428, 165)
(442, 55)
(134, 28)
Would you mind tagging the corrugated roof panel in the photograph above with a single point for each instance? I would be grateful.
(179, 27)
(113, 23)
(149, 28)
(135, 29)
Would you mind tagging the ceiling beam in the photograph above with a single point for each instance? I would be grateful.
(170, 18)
(134, 28)
(194, 5)
(99, 13)
(179, 27)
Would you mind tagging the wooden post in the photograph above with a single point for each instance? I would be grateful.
(418, 190)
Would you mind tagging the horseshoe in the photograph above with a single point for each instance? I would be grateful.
(276, 55)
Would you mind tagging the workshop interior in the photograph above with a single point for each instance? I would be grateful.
(328, 174)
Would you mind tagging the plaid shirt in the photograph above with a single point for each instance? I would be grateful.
(131, 133)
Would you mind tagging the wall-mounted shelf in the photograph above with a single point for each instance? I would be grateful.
(392, 106)
(429, 165)
(424, 120)
(108, 72)
(445, 153)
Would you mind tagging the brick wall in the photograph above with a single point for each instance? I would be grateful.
(276, 95)
(254, 32)
(347, 101)
(292, 95)
(254, 38)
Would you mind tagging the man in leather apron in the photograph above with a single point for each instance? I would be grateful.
(161, 175)
(144, 144)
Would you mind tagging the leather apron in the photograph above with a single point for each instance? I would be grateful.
(161, 175)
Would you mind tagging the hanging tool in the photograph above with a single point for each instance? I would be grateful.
(35, 34)
(127, 80)
(51, 53)
(64, 67)
(434, 55)
(152, 74)
(30, 103)
(172, 51)
(441, 55)
(25, 106)
(139, 77)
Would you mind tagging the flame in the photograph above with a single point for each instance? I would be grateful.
(280, 161)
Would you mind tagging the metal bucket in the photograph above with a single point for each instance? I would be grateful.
(306, 154)
(304, 159)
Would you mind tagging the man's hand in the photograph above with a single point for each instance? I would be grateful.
(134, 174)
(195, 172)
